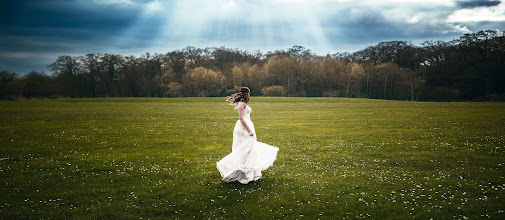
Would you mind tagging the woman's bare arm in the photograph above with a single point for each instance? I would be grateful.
(241, 106)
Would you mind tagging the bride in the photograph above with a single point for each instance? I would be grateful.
(248, 157)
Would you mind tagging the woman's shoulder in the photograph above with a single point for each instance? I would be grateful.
(241, 104)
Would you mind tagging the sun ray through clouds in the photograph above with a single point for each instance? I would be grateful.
(239, 23)
(143, 33)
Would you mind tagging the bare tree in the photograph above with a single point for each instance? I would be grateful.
(65, 69)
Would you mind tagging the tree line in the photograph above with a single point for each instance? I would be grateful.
(471, 67)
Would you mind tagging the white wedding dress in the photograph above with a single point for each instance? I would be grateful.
(248, 157)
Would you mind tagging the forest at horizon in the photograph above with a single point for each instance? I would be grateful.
(469, 68)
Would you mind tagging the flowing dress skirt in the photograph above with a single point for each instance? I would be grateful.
(248, 157)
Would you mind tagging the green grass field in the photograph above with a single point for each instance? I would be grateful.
(339, 158)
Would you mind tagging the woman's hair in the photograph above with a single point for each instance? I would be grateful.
(241, 96)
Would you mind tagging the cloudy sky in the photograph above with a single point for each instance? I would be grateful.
(35, 32)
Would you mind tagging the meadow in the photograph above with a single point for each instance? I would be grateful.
(149, 158)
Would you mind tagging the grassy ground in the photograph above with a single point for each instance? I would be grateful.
(338, 158)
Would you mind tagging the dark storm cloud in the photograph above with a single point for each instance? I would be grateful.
(61, 27)
(63, 21)
(368, 28)
(477, 3)
(372, 27)
(68, 14)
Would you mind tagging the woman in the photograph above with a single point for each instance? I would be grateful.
(248, 157)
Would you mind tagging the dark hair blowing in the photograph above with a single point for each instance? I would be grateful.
(241, 96)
